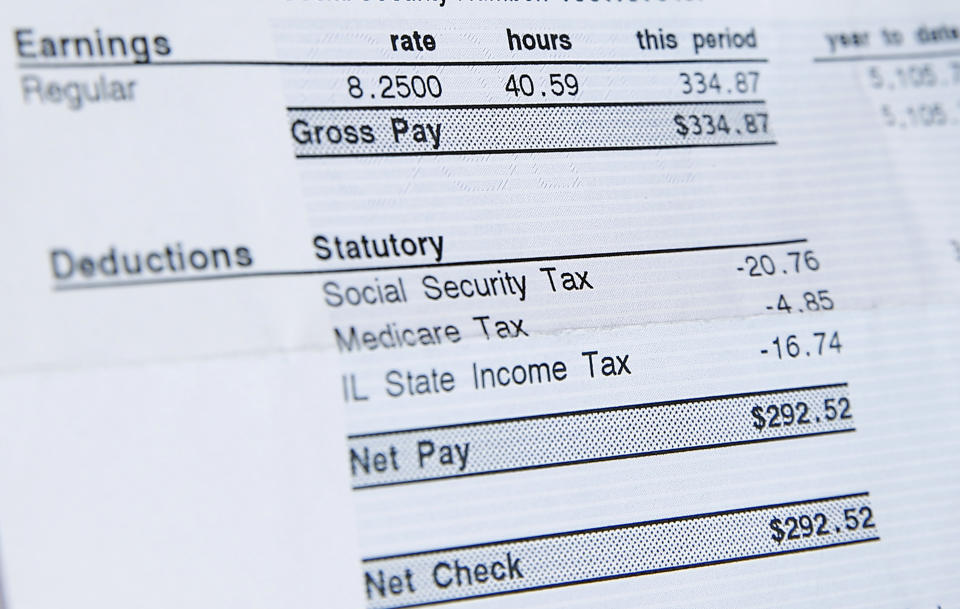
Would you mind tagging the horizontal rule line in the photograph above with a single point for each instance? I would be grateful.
(407, 267)
(558, 415)
(888, 56)
(533, 150)
(186, 63)
(531, 105)
(593, 580)
(650, 453)
(621, 526)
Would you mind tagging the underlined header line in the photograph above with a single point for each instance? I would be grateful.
(253, 63)
(407, 267)
(889, 56)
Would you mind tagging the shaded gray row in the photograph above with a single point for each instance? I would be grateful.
(576, 557)
(486, 447)
(321, 132)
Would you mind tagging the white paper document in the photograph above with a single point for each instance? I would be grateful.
(375, 304)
